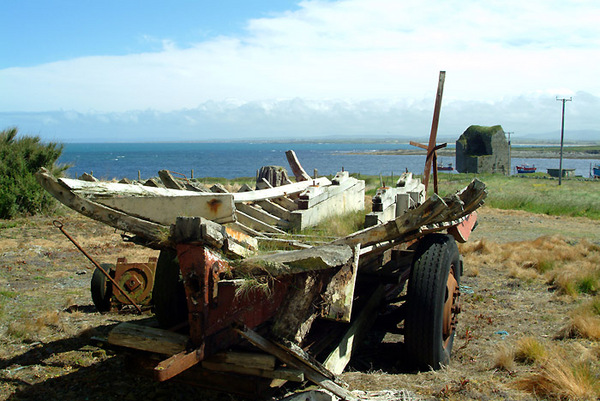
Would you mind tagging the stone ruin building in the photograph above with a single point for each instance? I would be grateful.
(483, 150)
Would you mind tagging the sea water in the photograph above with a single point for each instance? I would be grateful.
(243, 159)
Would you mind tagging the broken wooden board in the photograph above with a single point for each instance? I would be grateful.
(277, 192)
(312, 371)
(338, 297)
(340, 356)
(150, 231)
(433, 215)
(298, 261)
(146, 338)
(159, 205)
(329, 201)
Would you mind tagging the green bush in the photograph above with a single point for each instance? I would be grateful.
(20, 158)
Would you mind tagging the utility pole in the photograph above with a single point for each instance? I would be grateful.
(509, 155)
(562, 135)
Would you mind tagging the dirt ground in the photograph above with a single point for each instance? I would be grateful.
(48, 322)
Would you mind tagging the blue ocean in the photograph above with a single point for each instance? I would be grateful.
(243, 159)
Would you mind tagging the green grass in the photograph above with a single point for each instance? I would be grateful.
(572, 198)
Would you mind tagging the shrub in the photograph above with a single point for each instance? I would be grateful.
(20, 158)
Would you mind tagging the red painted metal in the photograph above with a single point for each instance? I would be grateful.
(216, 304)
(462, 231)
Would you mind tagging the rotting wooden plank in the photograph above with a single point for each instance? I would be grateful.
(430, 214)
(216, 207)
(274, 209)
(169, 181)
(298, 261)
(178, 363)
(256, 224)
(296, 167)
(338, 297)
(262, 215)
(338, 359)
(281, 373)
(248, 359)
(148, 230)
(219, 189)
(146, 338)
(314, 195)
(286, 203)
(277, 192)
(310, 370)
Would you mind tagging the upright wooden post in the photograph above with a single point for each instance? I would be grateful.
(434, 128)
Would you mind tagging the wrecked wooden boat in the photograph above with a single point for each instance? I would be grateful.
(234, 318)
(212, 282)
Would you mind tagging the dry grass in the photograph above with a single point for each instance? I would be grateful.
(529, 350)
(572, 267)
(583, 322)
(504, 358)
(557, 378)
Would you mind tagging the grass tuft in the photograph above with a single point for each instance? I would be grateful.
(529, 350)
(559, 379)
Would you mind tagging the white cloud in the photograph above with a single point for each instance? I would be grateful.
(340, 54)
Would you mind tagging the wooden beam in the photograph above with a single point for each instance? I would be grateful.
(294, 375)
(148, 230)
(277, 192)
(434, 127)
(255, 223)
(296, 167)
(146, 338)
(169, 181)
(338, 358)
(262, 215)
(313, 372)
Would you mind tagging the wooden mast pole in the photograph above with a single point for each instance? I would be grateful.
(434, 128)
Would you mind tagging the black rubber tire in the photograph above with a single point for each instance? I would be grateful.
(435, 258)
(101, 288)
(168, 294)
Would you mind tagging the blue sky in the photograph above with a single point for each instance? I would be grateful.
(196, 70)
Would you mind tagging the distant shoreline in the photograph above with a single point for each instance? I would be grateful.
(542, 153)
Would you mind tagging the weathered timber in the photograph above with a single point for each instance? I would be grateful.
(262, 183)
(278, 192)
(255, 223)
(299, 261)
(329, 201)
(430, 216)
(287, 374)
(196, 229)
(88, 177)
(216, 207)
(340, 356)
(297, 313)
(248, 359)
(274, 209)
(146, 338)
(274, 175)
(314, 195)
(169, 181)
(152, 183)
(286, 203)
(160, 205)
(148, 230)
(338, 297)
(262, 215)
(178, 363)
(297, 169)
(219, 189)
(311, 370)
